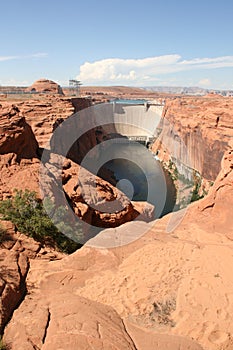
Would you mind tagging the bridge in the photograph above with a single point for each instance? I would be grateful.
(144, 140)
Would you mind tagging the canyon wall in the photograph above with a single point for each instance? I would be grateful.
(196, 131)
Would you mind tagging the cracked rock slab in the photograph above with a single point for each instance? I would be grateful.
(68, 322)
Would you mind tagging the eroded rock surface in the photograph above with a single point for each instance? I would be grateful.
(159, 284)
(16, 251)
(45, 86)
(18, 152)
(218, 205)
(197, 131)
(93, 199)
(16, 135)
(69, 322)
(43, 112)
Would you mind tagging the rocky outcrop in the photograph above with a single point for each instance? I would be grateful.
(45, 86)
(97, 201)
(18, 152)
(14, 268)
(218, 205)
(66, 318)
(94, 200)
(79, 128)
(19, 168)
(21, 175)
(16, 135)
(45, 113)
(16, 250)
(89, 325)
(42, 113)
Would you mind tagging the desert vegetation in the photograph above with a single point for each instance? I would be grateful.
(3, 346)
(162, 312)
(28, 215)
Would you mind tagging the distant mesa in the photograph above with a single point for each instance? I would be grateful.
(45, 86)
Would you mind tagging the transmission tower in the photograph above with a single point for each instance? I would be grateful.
(75, 86)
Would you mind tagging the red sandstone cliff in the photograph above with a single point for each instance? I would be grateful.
(18, 152)
(42, 112)
(203, 125)
(16, 135)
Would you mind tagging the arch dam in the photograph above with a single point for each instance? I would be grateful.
(136, 121)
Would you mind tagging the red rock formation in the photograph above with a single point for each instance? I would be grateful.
(89, 325)
(203, 125)
(43, 112)
(16, 135)
(16, 250)
(94, 200)
(20, 175)
(18, 152)
(45, 86)
(218, 205)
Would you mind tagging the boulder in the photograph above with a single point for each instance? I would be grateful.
(93, 199)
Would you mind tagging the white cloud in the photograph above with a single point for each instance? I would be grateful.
(204, 82)
(144, 71)
(35, 55)
(14, 82)
(7, 58)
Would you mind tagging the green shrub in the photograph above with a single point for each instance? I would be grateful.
(29, 216)
(172, 169)
(3, 346)
(195, 193)
(196, 189)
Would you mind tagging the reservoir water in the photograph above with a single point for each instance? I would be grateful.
(129, 101)
(141, 177)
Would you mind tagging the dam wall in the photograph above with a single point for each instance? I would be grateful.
(134, 120)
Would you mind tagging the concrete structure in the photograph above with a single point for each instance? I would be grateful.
(137, 121)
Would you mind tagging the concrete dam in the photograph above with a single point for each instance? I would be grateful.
(135, 121)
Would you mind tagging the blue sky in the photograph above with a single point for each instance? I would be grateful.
(137, 43)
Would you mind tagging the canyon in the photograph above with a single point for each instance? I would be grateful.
(160, 291)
